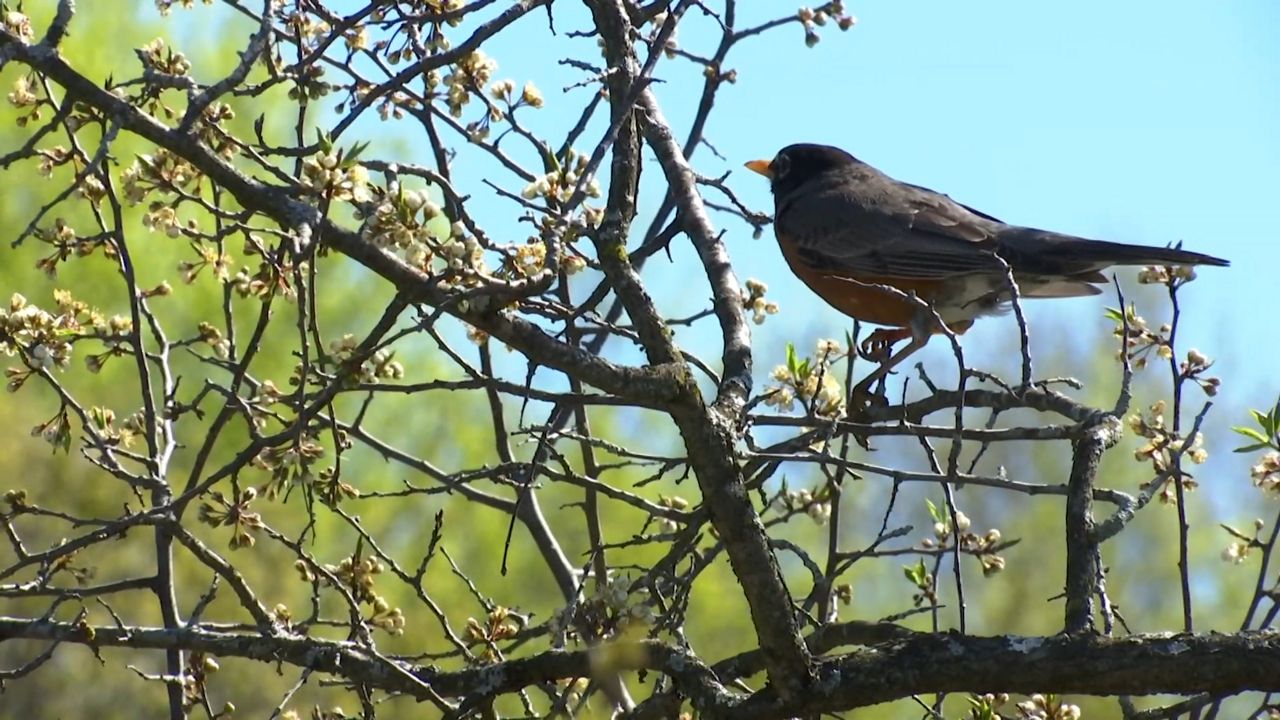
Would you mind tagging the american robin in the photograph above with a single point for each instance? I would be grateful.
(854, 234)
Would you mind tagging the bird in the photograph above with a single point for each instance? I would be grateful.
(904, 256)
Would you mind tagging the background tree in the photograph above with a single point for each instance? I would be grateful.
(320, 406)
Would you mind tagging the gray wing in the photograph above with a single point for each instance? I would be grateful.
(878, 227)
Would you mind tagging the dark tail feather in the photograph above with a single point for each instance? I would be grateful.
(1123, 254)
(1032, 250)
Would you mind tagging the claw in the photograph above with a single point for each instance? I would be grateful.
(877, 345)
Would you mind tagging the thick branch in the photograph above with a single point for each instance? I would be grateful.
(1085, 665)
(1082, 548)
(1136, 665)
(725, 291)
(623, 80)
(355, 663)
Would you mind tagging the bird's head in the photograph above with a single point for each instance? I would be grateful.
(796, 164)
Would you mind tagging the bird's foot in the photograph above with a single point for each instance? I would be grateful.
(878, 346)
(866, 395)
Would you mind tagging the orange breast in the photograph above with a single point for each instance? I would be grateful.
(866, 303)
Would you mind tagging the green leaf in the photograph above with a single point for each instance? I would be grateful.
(1251, 433)
(792, 364)
(1252, 448)
(349, 158)
(1114, 314)
(917, 573)
(935, 512)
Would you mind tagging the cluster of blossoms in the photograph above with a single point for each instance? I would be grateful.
(162, 172)
(1162, 445)
(472, 72)
(476, 335)
(114, 332)
(311, 30)
(166, 6)
(674, 502)
(616, 608)
(1265, 436)
(530, 95)
(1266, 473)
(210, 335)
(195, 683)
(627, 605)
(410, 222)
(42, 337)
(336, 175)
(573, 689)
(56, 431)
(526, 260)
(330, 489)
(1047, 707)
(558, 185)
(1037, 707)
(65, 243)
(815, 504)
(18, 24)
(812, 381)
(156, 56)
(47, 337)
(334, 712)
(440, 12)
(219, 265)
(1141, 341)
(499, 625)
(53, 157)
(24, 96)
(56, 155)
(926, 585)
(271, 278)
(502, 91)
(1194, 367)
(754, 302)
(221, 511)
(981, 546)
(380, 366)
(1166, 275)
(211, 132)
(288, 463)
(359, 577)
(813, 19)
(357, 38)
(102, 422)
(1238, 551)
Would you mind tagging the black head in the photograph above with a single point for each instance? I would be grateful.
(795, 165)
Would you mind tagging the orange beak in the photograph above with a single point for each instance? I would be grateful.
(760, 166)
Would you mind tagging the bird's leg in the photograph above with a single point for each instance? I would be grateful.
(862, 391)
(881, 341)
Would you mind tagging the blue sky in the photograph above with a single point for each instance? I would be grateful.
(1144, 122)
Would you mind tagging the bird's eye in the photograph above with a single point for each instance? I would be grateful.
(781, 165)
